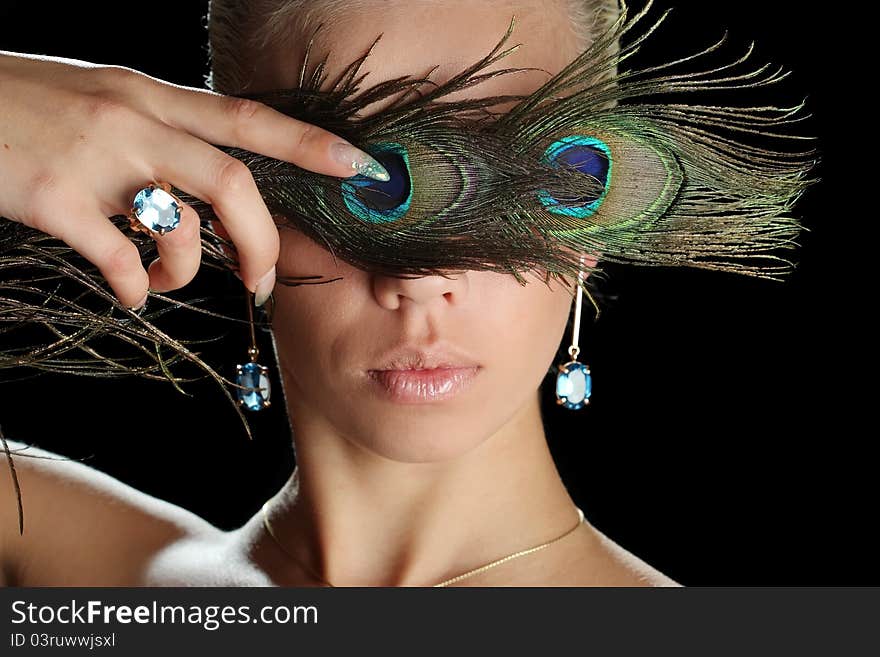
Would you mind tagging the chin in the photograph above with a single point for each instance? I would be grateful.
(415, 436)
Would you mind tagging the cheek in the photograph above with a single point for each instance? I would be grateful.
(308, 319)
(526, 326)
(546, 325)
(303, 326)
(302, 256)
(540, 309)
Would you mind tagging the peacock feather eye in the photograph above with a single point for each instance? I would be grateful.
(375, 201)
(590, 156)
(588, 163)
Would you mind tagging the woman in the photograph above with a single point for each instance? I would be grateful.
(402, 478)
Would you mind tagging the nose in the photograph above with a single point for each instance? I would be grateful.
(392, 292)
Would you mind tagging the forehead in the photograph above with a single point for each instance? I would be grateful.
(417, 36)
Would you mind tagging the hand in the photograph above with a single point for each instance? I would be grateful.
(78, 140)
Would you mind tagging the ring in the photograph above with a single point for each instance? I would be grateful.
(155, 210)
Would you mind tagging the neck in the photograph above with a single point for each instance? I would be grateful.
(357, 518)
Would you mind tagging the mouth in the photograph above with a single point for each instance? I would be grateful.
(426, 385)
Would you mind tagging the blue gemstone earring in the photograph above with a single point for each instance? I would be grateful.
(574, 384)
(253, 377)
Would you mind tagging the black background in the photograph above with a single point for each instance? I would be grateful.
(729, 437)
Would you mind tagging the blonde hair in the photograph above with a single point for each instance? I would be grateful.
(239, 30)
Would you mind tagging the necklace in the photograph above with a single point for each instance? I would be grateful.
(469, 573)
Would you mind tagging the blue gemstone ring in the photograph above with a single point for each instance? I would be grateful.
(155, 210)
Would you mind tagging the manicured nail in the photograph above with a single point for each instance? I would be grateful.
(359, 161)
(142, 303)
(264, 287)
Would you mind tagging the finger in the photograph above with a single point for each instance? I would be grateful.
(248, 124)
(94, 237)
(228, 186)
(180, 253)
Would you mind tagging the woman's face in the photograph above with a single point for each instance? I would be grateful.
(331, 336)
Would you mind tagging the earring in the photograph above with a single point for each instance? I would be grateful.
(253, 377)
(574, 384)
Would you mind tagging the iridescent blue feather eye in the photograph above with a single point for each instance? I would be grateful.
(588, 155)
(376, 201)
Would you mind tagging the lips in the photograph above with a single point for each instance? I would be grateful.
(415, 358)
(415, 386)
(411, 374)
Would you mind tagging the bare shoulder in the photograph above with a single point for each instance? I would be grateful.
(587, 558)
(591, 558)
(83, 527)
(606, 563)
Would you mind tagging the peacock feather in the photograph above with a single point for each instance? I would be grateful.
(579, 166)
(590, 163)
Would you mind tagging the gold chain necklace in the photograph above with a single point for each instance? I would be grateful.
(443, 583)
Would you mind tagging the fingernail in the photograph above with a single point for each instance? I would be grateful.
(143, 302)
(264, 287)
(359, 161)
